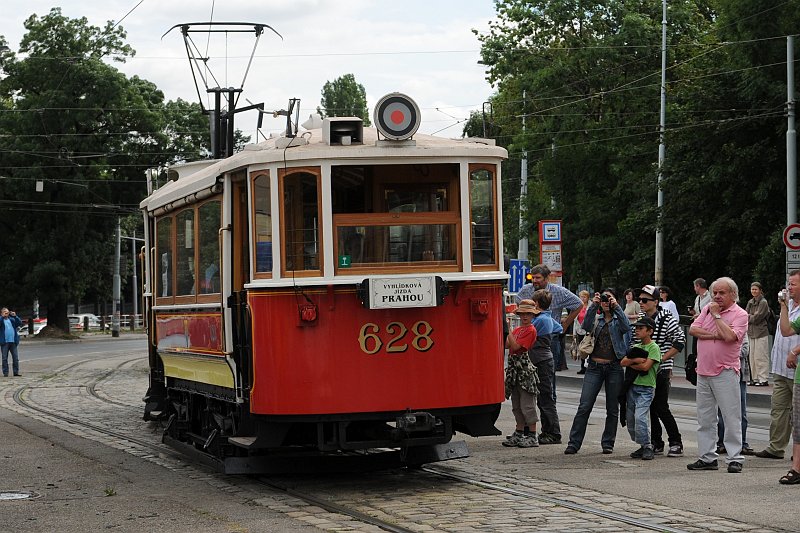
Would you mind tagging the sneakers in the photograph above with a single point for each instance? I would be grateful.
(734, 467)
(571, 450)
(721, 449)
(547, 438)
(608, 450)
(513, 440)
(747, 450)
(645, 453)
(702, 465)
(676, 450)
(520, 440)
(658, 450)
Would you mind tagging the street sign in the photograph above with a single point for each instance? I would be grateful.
(516, 274)
(550, 231)
(791, 236)
(793, 257)
(550, 256)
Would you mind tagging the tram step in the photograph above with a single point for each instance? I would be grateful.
(242, 442)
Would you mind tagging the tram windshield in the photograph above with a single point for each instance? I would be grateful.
(396, 216)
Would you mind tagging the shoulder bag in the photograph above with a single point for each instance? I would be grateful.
(586, 346)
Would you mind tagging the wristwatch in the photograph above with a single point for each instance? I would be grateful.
(717, 315)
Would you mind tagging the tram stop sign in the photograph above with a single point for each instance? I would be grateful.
(791, 236)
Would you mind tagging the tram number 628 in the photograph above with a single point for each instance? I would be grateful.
(371, 343)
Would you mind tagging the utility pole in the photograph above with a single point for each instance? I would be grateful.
(116, 289)
(522, 252)
(791, 137)
(791, 141)
(662, 149)
(135, 283)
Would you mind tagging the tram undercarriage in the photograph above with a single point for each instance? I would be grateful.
(222, 434)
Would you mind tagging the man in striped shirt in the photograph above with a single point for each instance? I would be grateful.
(670, 339)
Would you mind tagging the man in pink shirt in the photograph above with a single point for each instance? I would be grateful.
(720, 329)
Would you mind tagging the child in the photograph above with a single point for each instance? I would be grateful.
(521, 380)
(542, 358)
(641, 392)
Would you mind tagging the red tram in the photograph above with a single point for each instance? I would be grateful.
(335, 291)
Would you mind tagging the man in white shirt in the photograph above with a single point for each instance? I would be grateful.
(780, 413)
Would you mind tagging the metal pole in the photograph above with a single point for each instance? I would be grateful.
(662, 149)
(522, 252)
(791, 142)
(116, 289)
(791, 137)
(135, 283)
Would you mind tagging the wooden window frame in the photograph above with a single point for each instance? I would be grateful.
(442, 218)
(257, 274)
(182, 299)
(282, 174)
(492, 169)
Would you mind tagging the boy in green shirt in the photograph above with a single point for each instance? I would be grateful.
(640, 394)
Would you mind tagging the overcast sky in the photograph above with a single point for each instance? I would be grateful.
(425, 49)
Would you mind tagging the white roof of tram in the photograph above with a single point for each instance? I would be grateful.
(200, 176)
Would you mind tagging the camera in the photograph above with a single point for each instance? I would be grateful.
(783, 295)
(604, 297)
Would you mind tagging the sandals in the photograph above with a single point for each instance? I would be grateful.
(791, 478)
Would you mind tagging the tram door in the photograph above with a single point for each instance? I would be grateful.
(239, 276)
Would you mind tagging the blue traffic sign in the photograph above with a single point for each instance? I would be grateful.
(516, 274)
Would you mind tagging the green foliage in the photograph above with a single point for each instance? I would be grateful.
(586, 78)
(344, 97)
(88, 133)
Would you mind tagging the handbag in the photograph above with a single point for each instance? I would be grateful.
(586, 346)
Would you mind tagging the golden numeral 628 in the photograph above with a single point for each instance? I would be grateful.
(370, 341)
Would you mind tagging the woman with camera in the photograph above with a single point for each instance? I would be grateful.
(606, 322)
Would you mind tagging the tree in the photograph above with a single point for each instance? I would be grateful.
(87, 132)
(344, 97)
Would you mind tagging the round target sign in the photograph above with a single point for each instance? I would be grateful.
(396, 116)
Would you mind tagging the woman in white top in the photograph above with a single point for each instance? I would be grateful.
(632, 307)
(667, 303)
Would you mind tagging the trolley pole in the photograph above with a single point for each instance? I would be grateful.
(116, 289)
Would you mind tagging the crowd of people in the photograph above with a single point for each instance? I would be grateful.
(630, 348)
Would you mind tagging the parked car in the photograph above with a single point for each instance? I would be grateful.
(76, 321)
(38, 325)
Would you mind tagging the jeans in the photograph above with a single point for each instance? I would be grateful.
(555, 347)
(10, 347)
(721, 422)
(610, 377)
(547, 406)
(640, 398)
(660, 413)
(720, 391)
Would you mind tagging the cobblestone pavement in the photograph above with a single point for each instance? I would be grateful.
(94, 397)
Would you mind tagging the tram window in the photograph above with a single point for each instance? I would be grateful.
(482, 215)
(208, 246)
(184, 253)
(262, 223)
(164, 255)
(300, 218)
(396, 216)
(385, 245)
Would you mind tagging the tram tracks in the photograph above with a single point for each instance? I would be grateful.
(439, 497)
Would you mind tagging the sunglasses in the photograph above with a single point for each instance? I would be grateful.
(643, 300)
